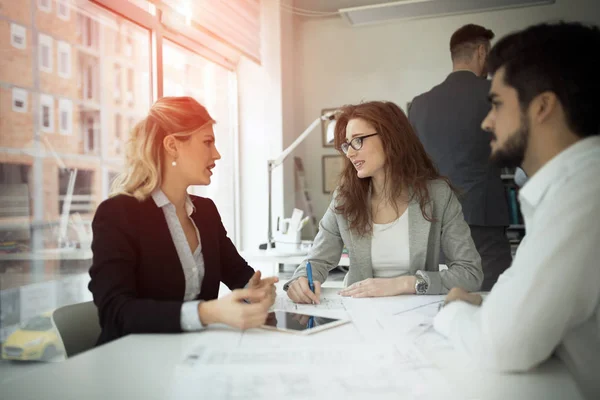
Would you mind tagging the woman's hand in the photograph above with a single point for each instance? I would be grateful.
(381, 287)
(299, 291)
(267, 283)
(232, 309)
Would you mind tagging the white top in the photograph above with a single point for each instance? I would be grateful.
(550, 296)
(389, 248)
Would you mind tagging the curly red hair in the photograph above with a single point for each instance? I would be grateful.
(408, 166)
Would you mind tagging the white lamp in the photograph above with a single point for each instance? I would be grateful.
(272, 164)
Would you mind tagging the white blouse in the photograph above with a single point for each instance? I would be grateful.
(390, 255)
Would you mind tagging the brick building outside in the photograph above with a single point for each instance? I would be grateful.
(74, 79)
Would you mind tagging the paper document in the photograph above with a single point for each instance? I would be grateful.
(301, 356)
(356, 372)
(282, 302)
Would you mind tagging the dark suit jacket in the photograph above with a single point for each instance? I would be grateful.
(137, 280)
(448, 121)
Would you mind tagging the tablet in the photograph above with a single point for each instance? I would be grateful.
(302, 324)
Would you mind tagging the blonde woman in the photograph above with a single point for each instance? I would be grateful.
(159, 254)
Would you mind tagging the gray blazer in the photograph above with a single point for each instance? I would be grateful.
(448, 231)
(448, 120)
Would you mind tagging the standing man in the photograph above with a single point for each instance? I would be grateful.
(448, 121)
(544, 118)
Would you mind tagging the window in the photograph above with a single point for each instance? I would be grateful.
(130, 125)
(88, 30)
(47, 113)
(38, 324)
(45, 5)
(89, 80)
(130, 86)
(90, 130)
(216, 86)
(18, 36)
(117, 41)
(19, 100)
(111, 177)
(117, 92)
(64, 59)
(80, 198)
(118, 133)
(14, 202)
(91, 136)
(66, 116)
(129, 45)
(62, 10)
(45, 52)
(118, 122)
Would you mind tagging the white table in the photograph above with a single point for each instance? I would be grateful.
(150, 366)
(278, 258)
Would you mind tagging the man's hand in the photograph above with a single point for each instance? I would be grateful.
(462, 295)
(299, 292)
(263, 284)
(233, 311)
(380, 287)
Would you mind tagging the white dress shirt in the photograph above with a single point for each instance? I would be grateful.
(549, 299)
(390, 256)
(192, 263)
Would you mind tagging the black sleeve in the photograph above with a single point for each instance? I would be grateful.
(235, 271)
(113, 278)
(411, 115)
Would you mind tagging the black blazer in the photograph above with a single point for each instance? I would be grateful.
(137, 280)
(448, 120)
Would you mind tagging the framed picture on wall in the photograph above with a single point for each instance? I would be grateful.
(332, 169)
(324, 125)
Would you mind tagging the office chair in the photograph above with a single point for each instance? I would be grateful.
(78, 327)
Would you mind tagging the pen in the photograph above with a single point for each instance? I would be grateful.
(311, 284)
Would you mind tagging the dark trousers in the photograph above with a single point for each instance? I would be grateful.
(494, 249)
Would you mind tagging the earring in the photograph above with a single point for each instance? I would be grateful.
(174, 163)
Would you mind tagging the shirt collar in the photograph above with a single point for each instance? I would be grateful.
(161, 200)
(536, 187)
(463, 70)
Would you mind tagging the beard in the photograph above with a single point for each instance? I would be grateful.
(512, 153)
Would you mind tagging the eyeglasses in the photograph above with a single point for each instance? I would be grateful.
(356, 143)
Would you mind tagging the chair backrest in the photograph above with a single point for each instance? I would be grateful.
(77, 326)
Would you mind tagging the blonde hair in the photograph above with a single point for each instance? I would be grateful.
(177, 116)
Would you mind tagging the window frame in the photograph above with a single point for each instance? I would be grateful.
(19, 92)
(47, 8)
(67, 15)
(45, 41)
(65, 105)
(64, 47)
(118, 81)
(194, 40)
(18, 30)
(47, 100)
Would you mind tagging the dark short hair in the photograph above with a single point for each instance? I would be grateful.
(462, 41)
(544, 58)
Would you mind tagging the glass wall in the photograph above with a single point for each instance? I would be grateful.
(187, 74)
(74, 80)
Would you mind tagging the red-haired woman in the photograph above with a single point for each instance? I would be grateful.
(393, 212)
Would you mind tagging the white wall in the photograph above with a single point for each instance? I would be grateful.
(265, 121)
(336, 64)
